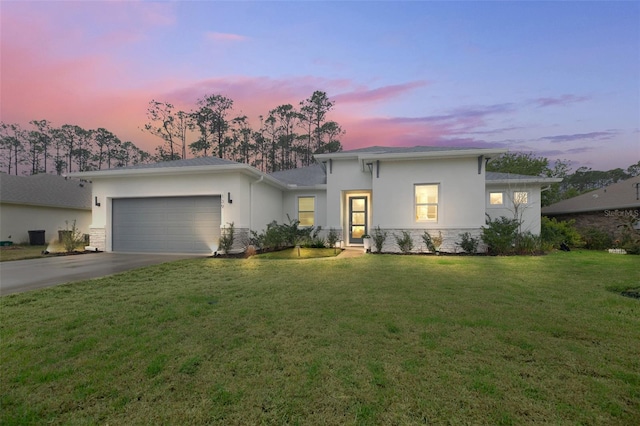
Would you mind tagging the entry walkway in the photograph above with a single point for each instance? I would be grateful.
(351, 252)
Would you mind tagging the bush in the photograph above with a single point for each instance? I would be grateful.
(227, 239)
(500, 235)
(433, 243)
(555, 233)
(379, 237)
(595, 239)
(468, 243)
(405, 243)
(332, 238)
(72, 238)
(527, 243)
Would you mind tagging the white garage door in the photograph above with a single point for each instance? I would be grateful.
(166, 225)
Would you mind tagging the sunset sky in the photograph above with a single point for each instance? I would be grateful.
(559, 79)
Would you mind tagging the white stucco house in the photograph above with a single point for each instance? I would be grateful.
(181, 206)
(42, 202)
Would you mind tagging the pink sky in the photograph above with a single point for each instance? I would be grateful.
(98, 64)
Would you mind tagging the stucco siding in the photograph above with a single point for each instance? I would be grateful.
(460, 193)
(343, 175)
(266, 206)
(528, 213)
(16, 220)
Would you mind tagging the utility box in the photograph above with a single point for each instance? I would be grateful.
(36, 238)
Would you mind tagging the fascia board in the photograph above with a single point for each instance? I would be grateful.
(400, 156)
(523, 181)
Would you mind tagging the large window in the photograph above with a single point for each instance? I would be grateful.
(306, 211)
(426, 202)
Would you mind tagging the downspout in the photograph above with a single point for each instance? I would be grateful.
(251, 202)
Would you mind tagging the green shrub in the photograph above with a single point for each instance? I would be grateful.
(227, 238)
(379, 237)
(405, 243)
(468, 243)
(72, 238)
(433, 243)
(332, 237)
(554, 233)
(527, 243)
(596, 239)
(500, 235)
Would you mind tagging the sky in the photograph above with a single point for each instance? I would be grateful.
(558, 79)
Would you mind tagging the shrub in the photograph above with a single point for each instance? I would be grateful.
(468, 243)
(72, 238)
(555, 233)
(379, 237)
(332, 237)
(527, 243)
(595, 239)
(500, 235)
(227, 238)
(433, 243)
(405, 243)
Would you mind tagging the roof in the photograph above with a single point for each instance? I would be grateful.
(621, 195)
(498, 177)
(191, 162)
(409, 153)
(304, 176)
(45, 190)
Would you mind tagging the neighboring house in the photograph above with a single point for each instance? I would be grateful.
(605, 208)
(42, 203)
(181, 206)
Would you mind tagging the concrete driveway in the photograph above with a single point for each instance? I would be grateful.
(24, 275)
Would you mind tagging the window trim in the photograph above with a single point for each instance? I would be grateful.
(313, 197)
(416, 204)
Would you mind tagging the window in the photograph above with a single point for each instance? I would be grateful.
(426, 202)
(306, 211)
(520, 197)
(496, 198)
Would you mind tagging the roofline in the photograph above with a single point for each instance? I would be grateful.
(529, 180)
(20, 203)
(180, 170)
(379, 155)
(590, 209)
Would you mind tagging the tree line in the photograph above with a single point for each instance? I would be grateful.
(584, 179)
(286, 137)
(43, 148)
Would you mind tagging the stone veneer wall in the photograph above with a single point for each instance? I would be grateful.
(608, 221)
(450, 240)
(98, 238)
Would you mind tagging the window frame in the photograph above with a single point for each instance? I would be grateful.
(312, 197)
(416, 205)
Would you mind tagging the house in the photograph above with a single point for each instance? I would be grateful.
(181, 206)
(42, 203)
(605, 208)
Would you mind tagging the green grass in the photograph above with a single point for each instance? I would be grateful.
(20, 252)
(378, 339)
(301, 253)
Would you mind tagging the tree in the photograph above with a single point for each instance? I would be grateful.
(13, 138)
(163, 124)
(319, 133)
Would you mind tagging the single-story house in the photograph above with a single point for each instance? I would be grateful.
(605, 208)
(42, 202)
(181, 206)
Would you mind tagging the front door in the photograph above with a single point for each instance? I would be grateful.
(357, 219)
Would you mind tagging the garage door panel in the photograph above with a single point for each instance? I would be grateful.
(169, 224)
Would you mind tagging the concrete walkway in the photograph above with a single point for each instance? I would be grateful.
(351, 252)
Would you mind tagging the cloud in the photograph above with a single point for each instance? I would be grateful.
(608, 134)
(224, 37)
(363, 94)
(560, 100)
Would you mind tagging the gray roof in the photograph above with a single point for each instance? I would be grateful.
(505, 176)
(191, 162)
(621, 195)
(45, 190)
(304, 176)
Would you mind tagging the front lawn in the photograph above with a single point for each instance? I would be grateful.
(379, 339)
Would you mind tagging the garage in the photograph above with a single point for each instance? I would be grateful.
(166, 224)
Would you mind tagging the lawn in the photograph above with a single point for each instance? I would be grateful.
(379, 339)
(20, 252)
